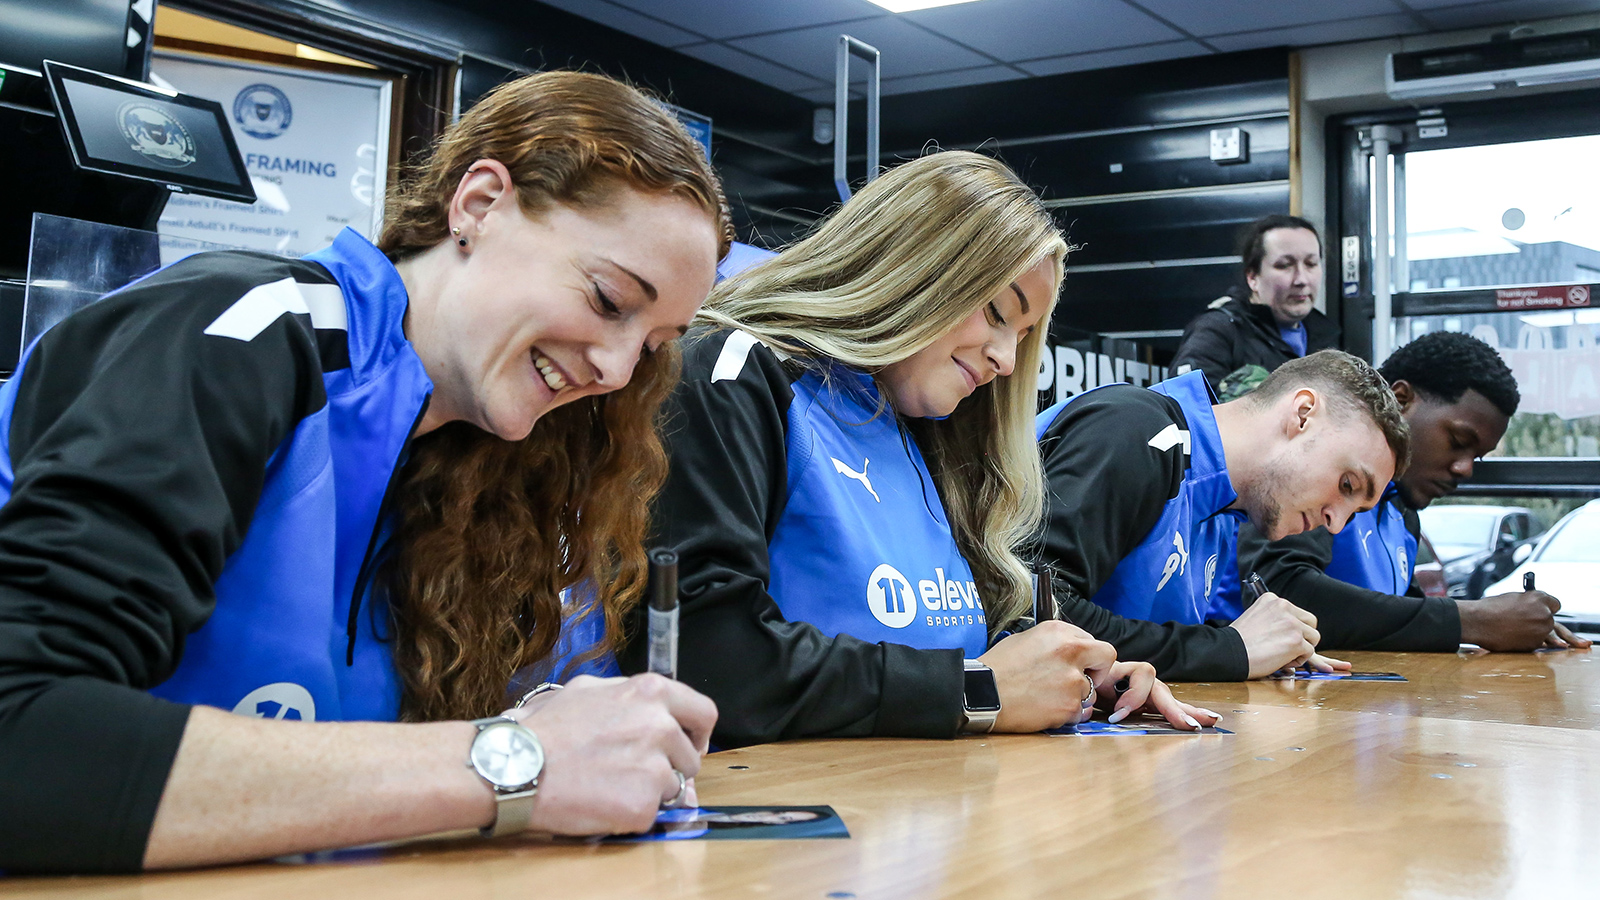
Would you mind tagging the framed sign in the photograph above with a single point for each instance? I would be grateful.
(315, 145)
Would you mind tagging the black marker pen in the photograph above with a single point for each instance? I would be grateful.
(1255, 586)
(1044, 601)
(661, 594)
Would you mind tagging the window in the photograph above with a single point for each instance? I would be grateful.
(1531, 217)
(1496, 219)
(1458, 526)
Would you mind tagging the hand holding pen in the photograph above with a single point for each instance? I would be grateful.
(1560, 637)
(1278, 636)
(1125, 687)
(1044, 610)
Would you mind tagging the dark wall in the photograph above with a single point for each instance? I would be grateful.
(757, 129)
(1063, 133)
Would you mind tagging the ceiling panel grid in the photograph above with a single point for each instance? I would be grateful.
(788, 44)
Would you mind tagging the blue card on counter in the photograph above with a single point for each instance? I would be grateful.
(1150, 727)
(741, 823)
(1336, 676)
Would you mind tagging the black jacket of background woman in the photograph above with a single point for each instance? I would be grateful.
(1239, 333)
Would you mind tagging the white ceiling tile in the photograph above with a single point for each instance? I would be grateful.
(939, 80)
(1106, 59)
(751, 66)
(1503, 12)
(907, 49)
(1324, 33)
(1207, 17)
(734, 18)
(624, 19)
(1031, 29)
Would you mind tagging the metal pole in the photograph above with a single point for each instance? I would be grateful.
(1402, 263)
(874, 94)
(849, 46)
(1382, 288)
(841, 116)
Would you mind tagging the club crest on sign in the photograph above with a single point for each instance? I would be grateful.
(262, 111)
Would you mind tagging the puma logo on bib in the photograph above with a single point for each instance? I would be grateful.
(853, 475)
(1176, 562)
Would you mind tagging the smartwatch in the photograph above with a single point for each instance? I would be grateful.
(980, 699)
(509, 757)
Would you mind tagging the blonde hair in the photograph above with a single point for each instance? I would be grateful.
(899, 266)
(488, 532)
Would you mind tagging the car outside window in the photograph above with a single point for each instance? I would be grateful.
(1577, 541)
(1460, 527)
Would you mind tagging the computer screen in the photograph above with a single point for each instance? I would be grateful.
(126, 128)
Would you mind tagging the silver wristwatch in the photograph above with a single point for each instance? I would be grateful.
(980, 699)
(509, 757)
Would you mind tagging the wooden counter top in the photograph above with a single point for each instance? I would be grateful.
(1556, 688)
(1327, 790)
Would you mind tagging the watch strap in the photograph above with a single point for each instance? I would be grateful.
(975, 721)
(512, 813)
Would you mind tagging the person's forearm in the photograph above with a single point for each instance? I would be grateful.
(1356, 618)
(1178, 652)
(244, 789)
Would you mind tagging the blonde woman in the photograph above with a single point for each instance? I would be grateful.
(205, 475)
(852, 469)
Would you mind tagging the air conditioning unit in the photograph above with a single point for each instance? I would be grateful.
(1546, 59)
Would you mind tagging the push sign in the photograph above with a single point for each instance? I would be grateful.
(1350, 267)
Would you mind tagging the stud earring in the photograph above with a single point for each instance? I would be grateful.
(459, 240)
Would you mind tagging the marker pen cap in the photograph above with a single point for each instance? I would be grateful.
(663, 587)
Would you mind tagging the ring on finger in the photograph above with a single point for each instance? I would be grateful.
(1088, 699)
(678, 798)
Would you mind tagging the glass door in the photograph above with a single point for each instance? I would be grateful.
(1494, 212)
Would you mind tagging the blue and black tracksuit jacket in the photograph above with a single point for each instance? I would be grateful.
(1137, 524)
(823, 593)
(193, 471)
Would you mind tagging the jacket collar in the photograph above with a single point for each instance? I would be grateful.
(1208, 467)
(1321, 332)
(375, 301)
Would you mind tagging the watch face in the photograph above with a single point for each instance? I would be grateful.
(980, 694)
(507, 755)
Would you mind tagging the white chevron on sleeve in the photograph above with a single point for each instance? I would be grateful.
(1170, 437)
(730, 362)
(264, 304)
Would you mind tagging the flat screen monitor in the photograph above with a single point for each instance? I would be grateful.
(121, 127)
(88, 33)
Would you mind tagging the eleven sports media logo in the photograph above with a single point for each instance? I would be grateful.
(947, 601)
